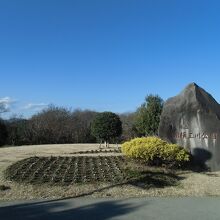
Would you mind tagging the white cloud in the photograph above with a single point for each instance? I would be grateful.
(35, 106)
(5, 104)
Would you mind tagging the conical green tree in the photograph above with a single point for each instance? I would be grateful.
(148, 116)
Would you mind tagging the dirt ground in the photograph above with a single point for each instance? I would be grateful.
(190, 183)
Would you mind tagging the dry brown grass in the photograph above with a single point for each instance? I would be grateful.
(191, 184)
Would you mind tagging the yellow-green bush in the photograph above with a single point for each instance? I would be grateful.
(155, 151)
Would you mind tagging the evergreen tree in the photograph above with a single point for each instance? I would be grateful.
(148, 116)
(106, 126)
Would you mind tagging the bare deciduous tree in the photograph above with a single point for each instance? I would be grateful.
(128, 126)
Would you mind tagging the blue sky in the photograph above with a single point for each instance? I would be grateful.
(105, 54)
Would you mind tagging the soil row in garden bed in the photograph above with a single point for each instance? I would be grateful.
(97, 151)
(67, 170)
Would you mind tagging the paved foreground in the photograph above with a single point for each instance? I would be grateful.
(101, 209)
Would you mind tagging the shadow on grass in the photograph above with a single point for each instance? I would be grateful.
(67, 210)
(142, 180)
(150, 179)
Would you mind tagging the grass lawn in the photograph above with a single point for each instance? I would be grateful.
(60, 171)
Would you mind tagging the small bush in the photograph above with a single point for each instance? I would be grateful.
(156, 151)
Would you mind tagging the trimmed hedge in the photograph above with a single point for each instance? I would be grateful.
(155, 151)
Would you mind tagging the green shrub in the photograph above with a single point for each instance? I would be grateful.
(155, 151)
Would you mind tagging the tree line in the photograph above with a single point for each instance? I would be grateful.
(58, 125)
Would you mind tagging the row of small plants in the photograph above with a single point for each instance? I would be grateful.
(98, 151)
(67, 170)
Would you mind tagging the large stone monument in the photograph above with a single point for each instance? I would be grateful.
(192, 120)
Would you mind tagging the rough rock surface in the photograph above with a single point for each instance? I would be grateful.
(192, 120)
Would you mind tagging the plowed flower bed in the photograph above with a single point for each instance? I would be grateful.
(67, 170)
